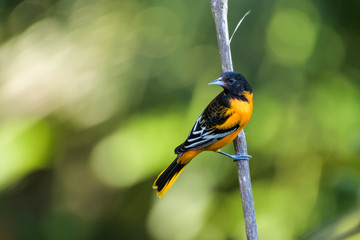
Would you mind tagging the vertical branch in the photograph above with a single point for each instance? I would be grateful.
(219, 10)
(245, 188)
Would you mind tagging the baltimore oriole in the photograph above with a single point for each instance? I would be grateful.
(219, 124)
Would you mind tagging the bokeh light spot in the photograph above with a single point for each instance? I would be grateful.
(291, 37)
(176, 212)
(24, 146)
(135, 150)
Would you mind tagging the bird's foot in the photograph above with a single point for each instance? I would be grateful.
(236, 157)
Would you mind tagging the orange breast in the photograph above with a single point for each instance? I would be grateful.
(240, 113)
(242, 110)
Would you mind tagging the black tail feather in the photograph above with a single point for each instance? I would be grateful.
(167, 177)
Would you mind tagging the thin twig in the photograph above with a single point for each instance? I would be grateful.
(237, 26)
(219, 9)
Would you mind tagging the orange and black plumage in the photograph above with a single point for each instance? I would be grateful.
(218, 125)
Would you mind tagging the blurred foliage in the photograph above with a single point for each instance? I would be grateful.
(95, 95)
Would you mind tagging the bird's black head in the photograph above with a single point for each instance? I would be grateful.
(233, 82)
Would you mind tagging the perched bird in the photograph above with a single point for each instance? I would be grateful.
(218, 125)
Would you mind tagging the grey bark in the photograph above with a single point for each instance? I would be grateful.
(219, 10)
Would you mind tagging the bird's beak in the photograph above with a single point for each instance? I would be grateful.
(218, 81)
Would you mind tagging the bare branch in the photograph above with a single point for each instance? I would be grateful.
(219, 9)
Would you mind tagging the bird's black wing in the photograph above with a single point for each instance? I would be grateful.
(205, 130)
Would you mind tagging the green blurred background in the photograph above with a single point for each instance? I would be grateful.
(95, 95)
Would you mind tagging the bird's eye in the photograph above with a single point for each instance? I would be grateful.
(231, 80)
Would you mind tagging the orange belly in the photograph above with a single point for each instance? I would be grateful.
(222, 142)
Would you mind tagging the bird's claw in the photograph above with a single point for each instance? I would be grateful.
(238, 157)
